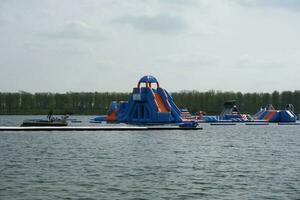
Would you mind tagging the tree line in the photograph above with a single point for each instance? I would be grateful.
(93, 103)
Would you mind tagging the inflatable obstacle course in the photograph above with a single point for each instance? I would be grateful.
(229, 114)
(150, 104)
(147, 104)
(270, 114)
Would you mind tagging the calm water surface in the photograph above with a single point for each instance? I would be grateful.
(218, 162)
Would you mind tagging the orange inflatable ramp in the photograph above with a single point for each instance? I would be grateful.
(269, 115)
(159, 103)
(112, 116)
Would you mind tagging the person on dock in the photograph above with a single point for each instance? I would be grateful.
(50, 115)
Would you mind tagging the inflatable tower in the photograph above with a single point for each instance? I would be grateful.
(148, 104)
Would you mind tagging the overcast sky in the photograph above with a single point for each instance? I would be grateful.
(99, 45)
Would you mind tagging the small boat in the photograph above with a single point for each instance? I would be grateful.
(50, 121)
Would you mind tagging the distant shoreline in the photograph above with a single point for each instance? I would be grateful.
(95, 103)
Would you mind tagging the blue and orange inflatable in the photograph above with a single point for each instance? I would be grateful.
(270, 114)
(150, 104)
(231, 113)
(147, 104)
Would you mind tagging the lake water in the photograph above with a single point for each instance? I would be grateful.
(218, 162)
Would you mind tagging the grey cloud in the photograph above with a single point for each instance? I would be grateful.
(2, 2)
(201, 43)
(254, 63)
(2, 18)
(74, 30)
(158, 23)
(180, 2)
(190, 60)
(285, 4)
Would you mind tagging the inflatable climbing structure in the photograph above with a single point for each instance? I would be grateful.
(270, 114)
(230, 113)
(148, 104)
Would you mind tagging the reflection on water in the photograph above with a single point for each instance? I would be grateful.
(223, 162)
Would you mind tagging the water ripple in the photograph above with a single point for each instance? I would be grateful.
(216, 163)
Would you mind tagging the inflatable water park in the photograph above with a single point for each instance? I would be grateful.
(149, 103)
(151, 107)
(268, 114)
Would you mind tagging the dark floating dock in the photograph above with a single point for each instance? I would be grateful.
(257, 123)
(96, 128)
(288, 123)
(222, 124)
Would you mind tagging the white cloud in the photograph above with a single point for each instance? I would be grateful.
(108, 45)
(74, 30)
